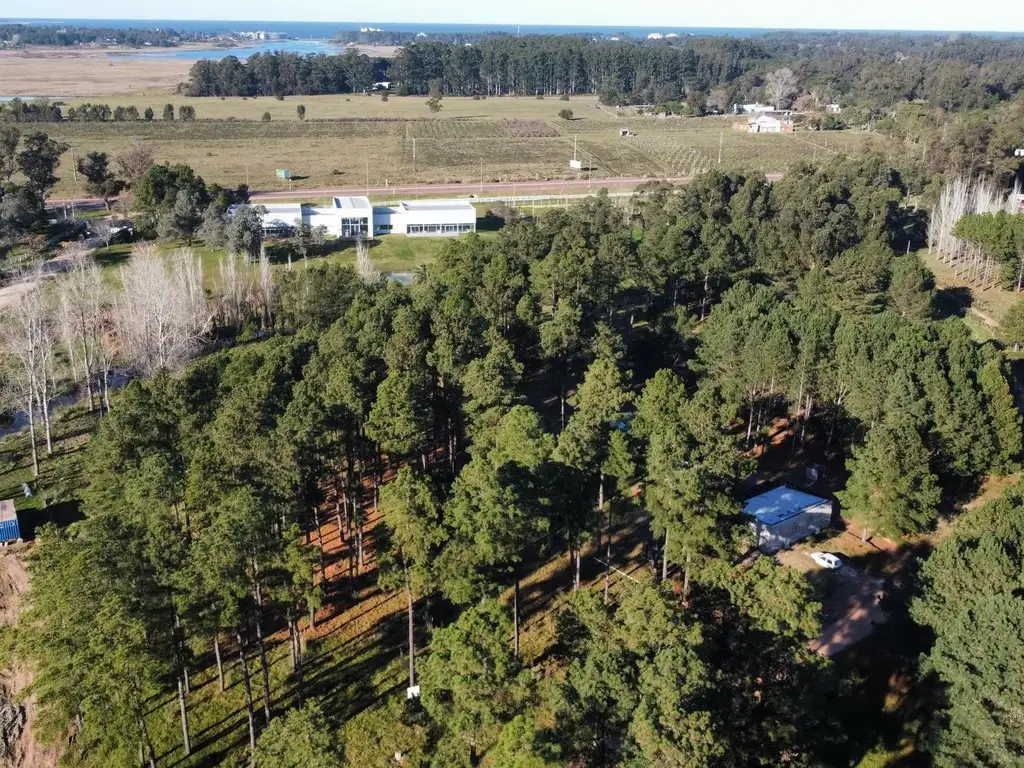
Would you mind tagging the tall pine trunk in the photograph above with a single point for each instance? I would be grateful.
(515, 616)
(264, 669)
(412, 638)
(220, 665)
(261, 646)
(664, 557)
(147, 745)
(184, 719)
(247, 686)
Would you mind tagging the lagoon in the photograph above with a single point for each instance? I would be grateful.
(242, 52)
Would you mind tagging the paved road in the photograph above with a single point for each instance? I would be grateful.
(458, 190)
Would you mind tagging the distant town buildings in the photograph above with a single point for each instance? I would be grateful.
(261, 35)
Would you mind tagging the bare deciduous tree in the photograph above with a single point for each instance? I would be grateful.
(364, 266)
(718, 100)
(266, 290)
(82, 299)
(779, 85)
(162, 317)
(134, 162)
(27, 340)
(233, 290)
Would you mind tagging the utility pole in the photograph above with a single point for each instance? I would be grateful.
(367, 177)
(414, 154)
(721, 139)
(74, 165)
(481, 175)
(247, 174)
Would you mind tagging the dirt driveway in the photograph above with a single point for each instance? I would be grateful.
(851, 602)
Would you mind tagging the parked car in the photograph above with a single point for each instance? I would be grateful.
(827, 560)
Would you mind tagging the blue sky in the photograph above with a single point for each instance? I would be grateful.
(989, 15)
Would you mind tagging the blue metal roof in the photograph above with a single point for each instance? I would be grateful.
(779, 504)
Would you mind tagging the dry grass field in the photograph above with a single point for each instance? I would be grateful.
(86, 73)
(348, 141)
(97, 73)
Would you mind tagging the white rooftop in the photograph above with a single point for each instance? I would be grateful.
(436, 205)
(353, 203)
(284, 209)
(780, 504)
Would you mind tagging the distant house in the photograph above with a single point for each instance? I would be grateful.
(769, 124)
(784, 516)
(757, 108)
(383, 85)
(833, 109)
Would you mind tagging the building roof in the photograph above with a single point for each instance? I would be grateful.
(353, 203)
(282, 214)
(7, 510)
(779, 504)
(436, 205)
(277, 214)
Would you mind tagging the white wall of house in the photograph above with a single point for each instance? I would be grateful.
(352, 218)
(772, 538)
(426, 218)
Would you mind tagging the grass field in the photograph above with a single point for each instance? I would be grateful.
(390, 253)
(358, 140)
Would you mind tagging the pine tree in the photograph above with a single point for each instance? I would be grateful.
(498, 510)
(1003, 415)
(911, 289)
(1012, 325)
(583, 445)
(400, 416)
(414, 533)
(302, 738)
(471, 681)
(891, 488)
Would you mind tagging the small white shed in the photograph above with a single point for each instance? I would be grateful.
(784, 516)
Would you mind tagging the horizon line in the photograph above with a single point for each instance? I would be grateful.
(397, 25)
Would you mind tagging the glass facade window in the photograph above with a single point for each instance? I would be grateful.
(354, 227)
(435, 229)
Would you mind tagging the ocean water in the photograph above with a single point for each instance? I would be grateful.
(321, 30)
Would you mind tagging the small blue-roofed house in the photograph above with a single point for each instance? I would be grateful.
(783, 516)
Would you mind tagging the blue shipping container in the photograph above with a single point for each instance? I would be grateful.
(9, 530)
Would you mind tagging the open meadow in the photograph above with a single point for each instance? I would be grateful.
(98, 72)
(352, 141)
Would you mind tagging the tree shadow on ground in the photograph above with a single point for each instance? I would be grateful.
(954, 301)
(61, 514)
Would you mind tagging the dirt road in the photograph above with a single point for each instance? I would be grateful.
(525, 188)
